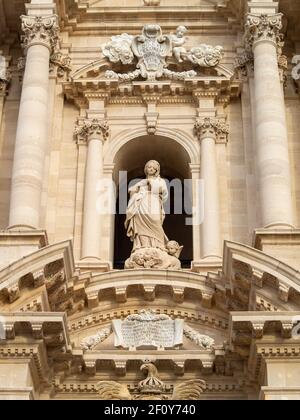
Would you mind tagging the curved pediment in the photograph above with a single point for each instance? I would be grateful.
(250, 280)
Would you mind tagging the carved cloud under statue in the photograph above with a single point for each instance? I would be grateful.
(150, 51)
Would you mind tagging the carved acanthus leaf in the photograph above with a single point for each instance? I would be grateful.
(212, 127)
(264, 28)
(40, 30)
(62, 63)
(91, 342)
(92, 128)
(204, 341)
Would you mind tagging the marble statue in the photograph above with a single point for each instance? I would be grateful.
(144, 223)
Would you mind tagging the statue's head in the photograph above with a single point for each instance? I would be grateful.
(174, 248)
(152, 168)
(181, 31)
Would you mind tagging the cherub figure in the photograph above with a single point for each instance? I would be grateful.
(174, 250)
(178, 40)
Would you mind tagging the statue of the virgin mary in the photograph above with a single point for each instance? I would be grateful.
(144, 223)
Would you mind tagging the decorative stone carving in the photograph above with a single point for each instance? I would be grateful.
(152, 384)
(111, 390)
(119, 49)
(151, 2)
(212, 127)
(94, 128)
(148, 329)
(5, 75)
(244, 64)
(178, 40)
(62, 63)
(151, 388)
(90, 342)
(264, 28)
(40, 30)
(204, 341)
(296, 71)
(152, 258)
(152, 49)
(144, 224)
(296, 68)
(205, 55)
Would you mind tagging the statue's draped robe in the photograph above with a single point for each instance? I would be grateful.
(145, 214)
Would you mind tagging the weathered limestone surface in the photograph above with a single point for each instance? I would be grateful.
(210, 95)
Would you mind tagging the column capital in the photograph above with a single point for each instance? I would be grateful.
(263, 27)
(92, 129)
(40, 30)
(211, 127)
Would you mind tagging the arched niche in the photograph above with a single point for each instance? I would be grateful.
(175, 164)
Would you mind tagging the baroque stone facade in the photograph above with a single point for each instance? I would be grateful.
(197, 303)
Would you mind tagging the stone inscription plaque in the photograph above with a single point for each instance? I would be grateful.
(148, 329)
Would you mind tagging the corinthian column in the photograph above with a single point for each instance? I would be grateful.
(264, 38)
(39, 40)
(208, 131)
(94, 132)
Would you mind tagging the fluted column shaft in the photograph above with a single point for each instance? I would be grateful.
(94, 132)
(40, 36)
(263, 36)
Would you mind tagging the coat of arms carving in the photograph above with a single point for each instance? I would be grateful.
(150, 51)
